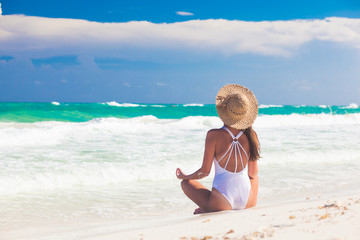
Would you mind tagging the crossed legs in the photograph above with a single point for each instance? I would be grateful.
(213, 201)
(208, 201)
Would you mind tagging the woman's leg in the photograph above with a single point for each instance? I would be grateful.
(197, 192)
(208, 201)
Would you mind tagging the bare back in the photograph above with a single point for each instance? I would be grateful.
(222, 145)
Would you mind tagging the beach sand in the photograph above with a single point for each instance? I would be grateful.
(315, 217)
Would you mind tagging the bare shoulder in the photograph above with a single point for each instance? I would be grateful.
(215, 131)
(213, 134)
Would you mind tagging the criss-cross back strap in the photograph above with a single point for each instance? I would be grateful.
(234, 145)
(232, 135)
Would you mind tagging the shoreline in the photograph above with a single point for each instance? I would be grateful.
(330, 217)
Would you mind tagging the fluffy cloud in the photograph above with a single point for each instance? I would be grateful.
(24, 34)
(184, 13)
(0, 9)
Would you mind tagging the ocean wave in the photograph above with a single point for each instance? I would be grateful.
(193, 105)
(157, 105)
(48, 133)
(300, 120)
(116, 104)
(48, 156)
(50, 176)
(82, 112)
(54, 133)
(270, 106)
(108, 152)
(351, 106)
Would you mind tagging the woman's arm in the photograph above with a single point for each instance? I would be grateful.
(209, 153)
(252, 169)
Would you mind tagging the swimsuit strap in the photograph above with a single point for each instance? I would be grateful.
(234, 145)
(231, 134)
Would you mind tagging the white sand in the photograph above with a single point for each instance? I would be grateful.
(332, 218)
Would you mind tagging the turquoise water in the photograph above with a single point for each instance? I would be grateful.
(81, 112)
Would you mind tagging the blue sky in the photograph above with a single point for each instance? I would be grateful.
(298, 52)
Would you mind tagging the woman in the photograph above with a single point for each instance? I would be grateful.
(234, 149)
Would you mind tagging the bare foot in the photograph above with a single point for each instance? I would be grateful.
(199, 211)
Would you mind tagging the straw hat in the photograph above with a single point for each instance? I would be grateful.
(236, 106)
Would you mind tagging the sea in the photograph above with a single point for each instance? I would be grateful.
(88, 163)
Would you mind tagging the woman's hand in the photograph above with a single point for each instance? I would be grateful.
(180, 174)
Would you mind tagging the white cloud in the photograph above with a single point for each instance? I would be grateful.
(0, 9)
(184, 13)
(22, 34)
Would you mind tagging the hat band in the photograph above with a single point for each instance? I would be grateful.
(236, 113)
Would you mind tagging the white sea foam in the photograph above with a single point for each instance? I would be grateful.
(351, 106)
(116, 104)
(268, 106)
(33, 134)
(193, 105)
(156, 105)
(64, 175)
(52, 133)
(299, 106)
(322, 106)
(298, 120)
(55, 103)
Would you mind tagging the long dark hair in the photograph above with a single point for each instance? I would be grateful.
(253, 143)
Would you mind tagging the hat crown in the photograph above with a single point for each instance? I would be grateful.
(237, 105)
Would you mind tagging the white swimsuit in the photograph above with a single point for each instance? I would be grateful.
(234, 186)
